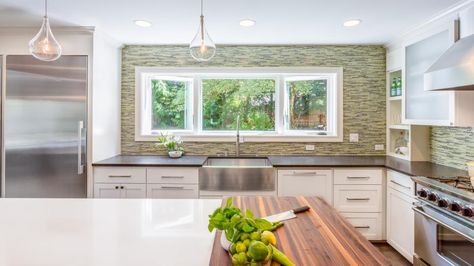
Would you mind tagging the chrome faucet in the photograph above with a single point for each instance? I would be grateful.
(237, 142)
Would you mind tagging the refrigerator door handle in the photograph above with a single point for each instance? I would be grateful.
(80, 166)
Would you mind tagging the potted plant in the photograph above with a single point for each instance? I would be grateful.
(173, 144)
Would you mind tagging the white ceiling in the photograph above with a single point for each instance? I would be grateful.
(278, 21)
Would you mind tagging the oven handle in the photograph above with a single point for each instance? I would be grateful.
(419, 210)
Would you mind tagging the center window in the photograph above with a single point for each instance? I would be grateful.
(226, 100)
(270, 104)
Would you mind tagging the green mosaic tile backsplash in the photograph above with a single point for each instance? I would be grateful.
(364, 92)
(452, 146)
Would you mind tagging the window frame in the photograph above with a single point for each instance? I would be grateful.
(279, 74)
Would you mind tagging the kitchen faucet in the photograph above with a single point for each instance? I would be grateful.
(237, 142)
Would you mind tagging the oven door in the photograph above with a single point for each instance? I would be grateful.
(442, 239)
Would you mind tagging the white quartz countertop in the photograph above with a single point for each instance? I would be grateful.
(102, 232)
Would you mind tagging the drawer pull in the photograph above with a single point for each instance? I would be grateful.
(171, 176)
(358, 199)
(358, 177)
(304, 173)
(120, 176)
(362, 227)
(172, 187)
(116, 187)
(398, 184)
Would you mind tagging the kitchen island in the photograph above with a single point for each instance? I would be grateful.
(58, 232)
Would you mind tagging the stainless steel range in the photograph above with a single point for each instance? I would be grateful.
(444, 221)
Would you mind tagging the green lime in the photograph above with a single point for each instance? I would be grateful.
(246, 242)
(258, 251)
(232, 249)
(244, 236)
(255, 236)
(240, 247)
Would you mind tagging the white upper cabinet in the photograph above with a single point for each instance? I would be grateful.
(441, 108)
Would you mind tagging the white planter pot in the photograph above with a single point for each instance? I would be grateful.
(175, 154)
(224, 242)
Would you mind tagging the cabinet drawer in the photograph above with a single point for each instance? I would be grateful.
(368, 224)
(119, 191)
(172, 191)
(172, 175)
(119, 175)
(400, 182)
(358, 198)
(358, 176)
(306, 183)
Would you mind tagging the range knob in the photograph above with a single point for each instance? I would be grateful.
(443, 203)
(467, 211)
(455, 207)
(422, 193)
(432, 197)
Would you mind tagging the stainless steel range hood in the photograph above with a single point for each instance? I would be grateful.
(454, 70)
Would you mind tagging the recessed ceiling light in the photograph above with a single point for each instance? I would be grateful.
(247, 22)
(352, 22)
(142, 23)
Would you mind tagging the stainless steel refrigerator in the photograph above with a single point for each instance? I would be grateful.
(44, 111)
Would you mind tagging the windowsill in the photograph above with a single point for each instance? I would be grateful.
(247, 138)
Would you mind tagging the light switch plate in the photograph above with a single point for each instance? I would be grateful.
(354, 137)
(379, 147)
(309, 147)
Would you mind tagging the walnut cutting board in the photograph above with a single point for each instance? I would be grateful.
(320, 236)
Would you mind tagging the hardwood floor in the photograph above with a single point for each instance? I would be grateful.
(392, 255)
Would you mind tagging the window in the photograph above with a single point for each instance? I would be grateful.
(252, 100)
(273, 104)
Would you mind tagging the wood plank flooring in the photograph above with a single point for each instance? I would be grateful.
(391, 254)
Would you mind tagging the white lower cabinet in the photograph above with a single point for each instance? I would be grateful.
(369, 225)
(120, 191)
(306, 182)
(358, 196)
(400, 216)
(172, 191)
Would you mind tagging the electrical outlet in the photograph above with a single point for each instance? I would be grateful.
(379, 147)
(309, 147)
(354, 137)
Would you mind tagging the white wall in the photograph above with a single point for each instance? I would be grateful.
(105, 97)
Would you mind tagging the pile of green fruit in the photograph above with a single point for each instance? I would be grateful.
(252, 240)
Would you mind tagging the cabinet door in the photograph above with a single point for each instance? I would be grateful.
(133, 191)
(400, 223)
(426, 107)
(306, 183)
(107, 191)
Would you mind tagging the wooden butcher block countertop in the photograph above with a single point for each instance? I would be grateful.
(320, 236)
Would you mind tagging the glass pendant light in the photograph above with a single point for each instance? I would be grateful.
(202, 48)
(44, 46)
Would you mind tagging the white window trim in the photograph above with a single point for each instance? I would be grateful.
(279, 135)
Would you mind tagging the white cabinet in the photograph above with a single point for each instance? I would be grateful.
(120, 191)
(146, 182)
(306, 182)
(400, 216)
(358, 195)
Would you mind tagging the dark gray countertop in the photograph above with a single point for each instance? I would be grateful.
(152, 160)
(410, 168)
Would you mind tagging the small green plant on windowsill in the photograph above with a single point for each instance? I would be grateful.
(173, 144)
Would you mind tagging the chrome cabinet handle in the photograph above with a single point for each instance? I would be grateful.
(357, 198)
(358, 177)
(396, 183)
(172, 187)
(116, 187)
(80, 166)
(362, 227)
(170, 176)
(120, 176)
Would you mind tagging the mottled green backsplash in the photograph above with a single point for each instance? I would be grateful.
(452, 146)
(364, 92)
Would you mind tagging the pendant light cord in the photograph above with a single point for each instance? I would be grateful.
(202, 8)
(46, 8)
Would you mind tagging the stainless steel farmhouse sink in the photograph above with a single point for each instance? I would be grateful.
(237, 174)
